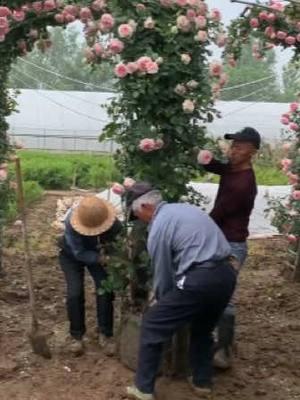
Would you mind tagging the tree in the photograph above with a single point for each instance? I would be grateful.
(65, 56)
(250, 69)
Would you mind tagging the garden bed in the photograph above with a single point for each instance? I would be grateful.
(267, 363)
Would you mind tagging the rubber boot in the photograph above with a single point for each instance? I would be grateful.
(225, 335)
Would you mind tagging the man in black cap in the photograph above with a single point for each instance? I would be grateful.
(231, 211)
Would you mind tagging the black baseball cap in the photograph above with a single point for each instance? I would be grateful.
(137, 190)
(245, 135)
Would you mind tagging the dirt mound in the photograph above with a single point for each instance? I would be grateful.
(267, 363)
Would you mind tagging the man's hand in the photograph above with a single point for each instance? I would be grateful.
(103, 259)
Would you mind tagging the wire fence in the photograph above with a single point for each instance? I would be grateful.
(61, 140)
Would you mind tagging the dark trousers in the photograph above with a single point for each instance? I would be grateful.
(206, 291)
(74, 275)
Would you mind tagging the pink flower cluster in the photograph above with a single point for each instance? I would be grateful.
(120, 189)
(144, 65)
(148, 145)
(289, 165)
(292, 117)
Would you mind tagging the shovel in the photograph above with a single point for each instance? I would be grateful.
(37, 338)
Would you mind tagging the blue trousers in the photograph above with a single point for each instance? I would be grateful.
(205, 294)
(74, 275)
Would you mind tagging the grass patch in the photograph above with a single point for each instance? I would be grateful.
(265, 175)
(32, 193)
(63, 170)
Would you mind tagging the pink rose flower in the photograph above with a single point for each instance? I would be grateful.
(142, 63)
(292, 238)
(37, 6)
(298, 37)
(294, 107)
(60, 18)
(286, 163)
(270, 32)
(293, 178)
(4, 23)
(118, 189)
(70, 9)
(107, 22)
(191, 14)
(200, 22)
(116, 46)
(166, 3)
(69, 18)
(85, 14)
(4, 11)
(98, 49)
(272, 17)
(293, 126)
(128, 183)
(181, 3)
(215, 68)
(281, 35)
(278, 5)
(188, 106)
(216, 15)
(201, 36)
(221, 40)
(98, 5)
(152, 67)
(192, 84)
(201, 7)
(147, 145)
(284, 120)
(121, 70)
(49, 5)
(125, 31)
(132, 67)
(223, 79)
(254, 22)
(204, 157)
(149, 23)
(296, 195)
(180, 89)
(263, 15)
(290, 40)
(18, 15)
(183, 23)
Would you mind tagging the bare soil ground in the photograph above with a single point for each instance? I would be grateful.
(267, 363)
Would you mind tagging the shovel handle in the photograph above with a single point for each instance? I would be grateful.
(27, 258)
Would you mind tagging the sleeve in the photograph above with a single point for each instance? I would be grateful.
(160, 250)
(215, 167)
(75, 242)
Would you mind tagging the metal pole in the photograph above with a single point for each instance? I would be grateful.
(248, 3)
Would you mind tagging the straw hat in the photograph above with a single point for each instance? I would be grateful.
(93, 216)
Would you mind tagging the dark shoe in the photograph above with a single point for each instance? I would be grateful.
(134, 393)
(203, 391)
(223, 359)
(75, 346)
(107, 344)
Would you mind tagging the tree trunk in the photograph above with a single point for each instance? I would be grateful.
(297, 265)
